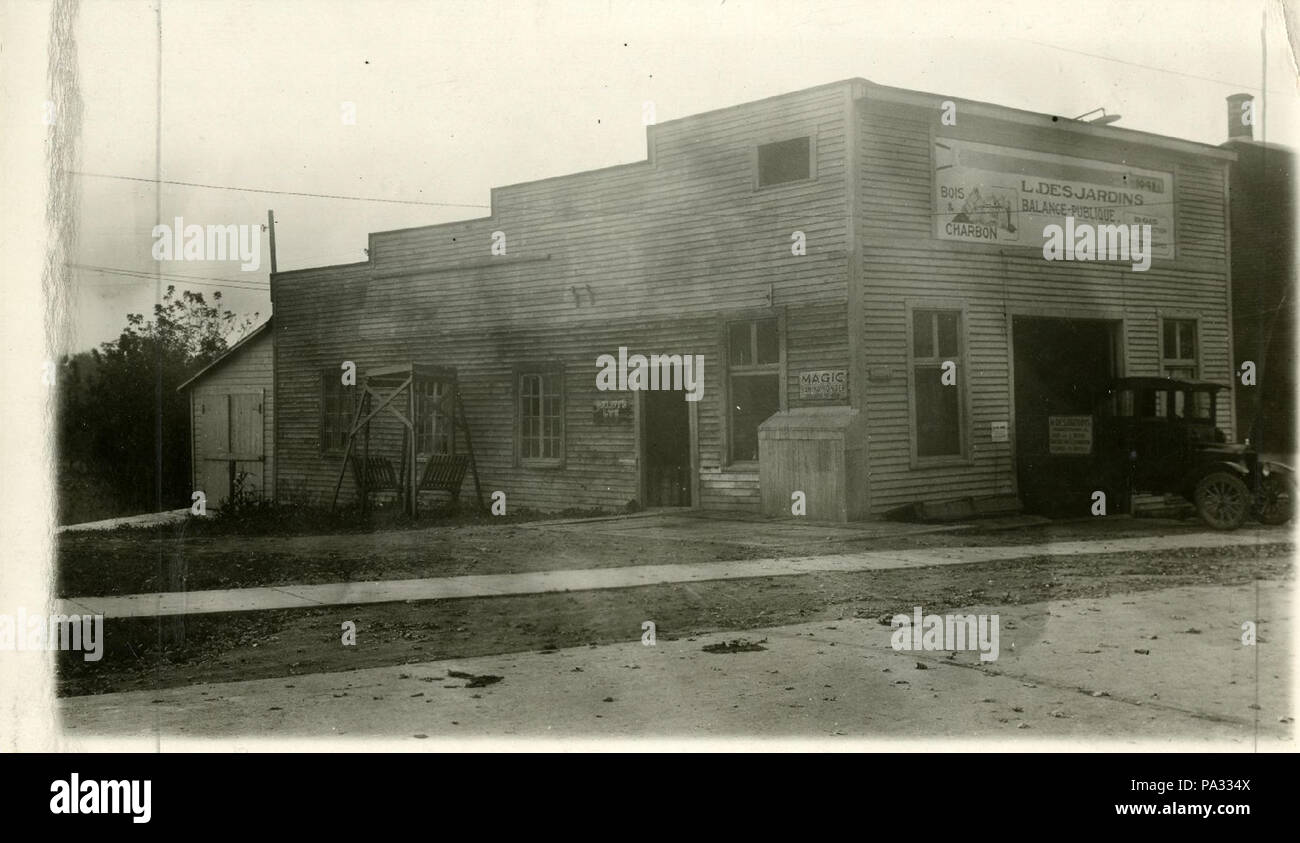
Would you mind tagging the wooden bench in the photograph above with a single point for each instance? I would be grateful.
(444, 473)
(374, 473)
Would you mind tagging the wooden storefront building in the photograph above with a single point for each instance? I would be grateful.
(829, 254)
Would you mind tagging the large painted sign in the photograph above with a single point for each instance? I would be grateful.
(996, 194)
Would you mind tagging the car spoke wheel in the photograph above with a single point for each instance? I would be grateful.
(1276, 499)
(1222, 500)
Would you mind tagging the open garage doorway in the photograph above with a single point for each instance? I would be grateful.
(1061, 367)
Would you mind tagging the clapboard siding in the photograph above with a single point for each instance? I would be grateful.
(686, 233)
(902, 260)
(247, 370)
(600, 461)
(653, 256)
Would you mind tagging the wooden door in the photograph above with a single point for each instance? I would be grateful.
(230, 445)
(246, 427)
(212, 469)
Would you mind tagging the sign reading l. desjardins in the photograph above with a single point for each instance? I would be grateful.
(995, 194)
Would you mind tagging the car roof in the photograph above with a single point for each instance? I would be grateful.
(1161, 383)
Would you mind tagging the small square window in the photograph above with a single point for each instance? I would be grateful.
(784, 161)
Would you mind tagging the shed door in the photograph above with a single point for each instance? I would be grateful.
(212, 473)
(246, 441)
(230, 445)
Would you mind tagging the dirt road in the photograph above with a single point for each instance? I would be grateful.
(1160, 665)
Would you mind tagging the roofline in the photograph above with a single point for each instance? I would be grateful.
(1051, 121)
(247, 338)
(1256, 143)
(650, 131)
(466, 221)
(284, 272)
(861, 88)
(1125, 380)
(840, 83)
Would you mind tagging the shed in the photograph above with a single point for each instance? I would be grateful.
(232, 417)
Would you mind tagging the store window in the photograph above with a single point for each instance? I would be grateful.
(541, 416)
(936, 407)
(753, 382)
(337, 408)
(1178, 349)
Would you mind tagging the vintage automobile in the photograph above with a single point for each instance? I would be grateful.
(1158, 435)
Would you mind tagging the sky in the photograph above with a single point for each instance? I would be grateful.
(453, 98)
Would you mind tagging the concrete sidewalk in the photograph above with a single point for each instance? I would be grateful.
(149, 519)
(1163, 666)
(493, 585)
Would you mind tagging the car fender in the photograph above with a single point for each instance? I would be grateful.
(1209, 468)
(1279, 469)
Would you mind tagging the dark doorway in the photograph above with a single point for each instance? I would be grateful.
(666, 448)
(1061, 368)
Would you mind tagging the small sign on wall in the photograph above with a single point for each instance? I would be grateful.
(824, 384)
(611, 411)
(1069, 434)
(999, 431)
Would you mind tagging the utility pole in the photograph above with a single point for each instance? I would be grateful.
(270, 227)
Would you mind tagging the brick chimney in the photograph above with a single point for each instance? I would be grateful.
(1236, 128)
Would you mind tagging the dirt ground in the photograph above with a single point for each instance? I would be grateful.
(236, 646)
(1161, 669)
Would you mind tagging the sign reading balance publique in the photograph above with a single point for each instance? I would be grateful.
(995, 194)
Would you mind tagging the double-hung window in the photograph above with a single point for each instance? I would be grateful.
(540, 415)
(337, 408)
(435, 419)
(1178, 349)
(753, 382)
(937, 422)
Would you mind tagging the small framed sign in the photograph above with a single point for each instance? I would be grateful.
(824, 384)
(611, 411)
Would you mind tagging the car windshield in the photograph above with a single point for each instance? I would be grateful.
(1169, 403)
(1187, 404)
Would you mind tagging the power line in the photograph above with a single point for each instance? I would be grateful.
(184, 279)
(147, 274)
(282, 192)
(1138, 64)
